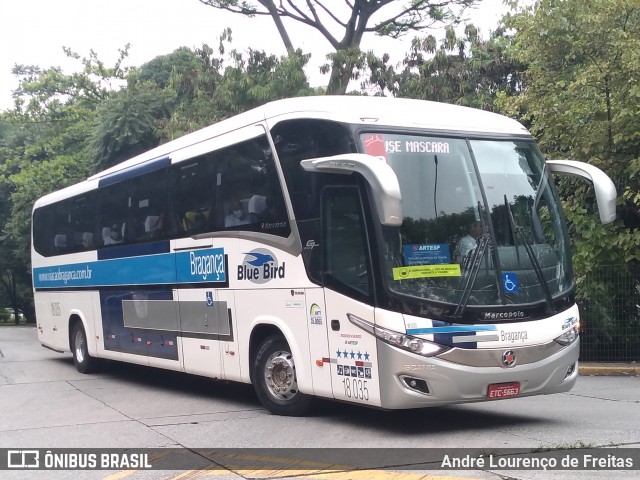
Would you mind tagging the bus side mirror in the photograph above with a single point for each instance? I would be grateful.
(379, 175)
(606, 193)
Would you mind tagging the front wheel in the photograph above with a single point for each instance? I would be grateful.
(84, 362)
(274, 379)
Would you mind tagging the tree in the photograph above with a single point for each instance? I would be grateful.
(128, 121)
(44, 146)
(213, 86)
(463, 69)
(159, 69)
(357, 18)
(582, 101)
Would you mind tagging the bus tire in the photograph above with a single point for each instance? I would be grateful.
(275, 381)
(84, 362)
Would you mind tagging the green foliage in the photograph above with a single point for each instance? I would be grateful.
(465, 70)
(44, 145)
(581, 94)
(208, 90)
(581, 100)
(159, 69)
(128, 121)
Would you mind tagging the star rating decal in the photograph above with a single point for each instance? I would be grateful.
(352, 355)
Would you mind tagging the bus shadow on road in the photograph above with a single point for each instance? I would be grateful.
(169, 381)
(414, 421)
(443, 419)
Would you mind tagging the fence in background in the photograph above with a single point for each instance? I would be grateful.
(609, 301)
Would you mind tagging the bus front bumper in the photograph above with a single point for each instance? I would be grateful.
(412, 381)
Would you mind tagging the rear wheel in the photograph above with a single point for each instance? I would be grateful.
(275, 381)
(84, 362)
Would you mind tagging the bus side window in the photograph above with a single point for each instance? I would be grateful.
(246, 173)
(148, 207)
(82, 222)
(114, 206)
(191, 195)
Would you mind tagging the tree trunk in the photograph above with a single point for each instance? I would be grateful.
(339, 79)
(269, 5)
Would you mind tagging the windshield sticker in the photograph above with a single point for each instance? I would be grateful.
(427, 271)
(510, 282)
(426, 254)
(374, 145)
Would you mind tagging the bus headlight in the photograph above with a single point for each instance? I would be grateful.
(400, 340)
(570, 336)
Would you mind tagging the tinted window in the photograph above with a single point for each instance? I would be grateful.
(346, 259)
(148, 215)
(113, 207)
(82, 223)
(65, 227)
(236, 188)
(298, 140)
(193, 184)
(249, 195)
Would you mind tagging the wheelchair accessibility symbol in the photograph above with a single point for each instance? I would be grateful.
(510, 282)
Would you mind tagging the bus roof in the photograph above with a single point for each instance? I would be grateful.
(353, 109)
(383, 111)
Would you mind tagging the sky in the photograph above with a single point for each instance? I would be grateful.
(33, 32)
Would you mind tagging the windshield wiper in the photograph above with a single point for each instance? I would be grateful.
(471, 272)
(474, 264)
(516, 231)
(536, 224)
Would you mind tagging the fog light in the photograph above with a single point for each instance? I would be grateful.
(417, 384)
(570, 370)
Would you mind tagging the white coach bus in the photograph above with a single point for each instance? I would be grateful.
(387, 252)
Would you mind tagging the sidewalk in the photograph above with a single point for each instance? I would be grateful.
(610, 369)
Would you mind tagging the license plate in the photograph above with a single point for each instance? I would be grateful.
(503, 390)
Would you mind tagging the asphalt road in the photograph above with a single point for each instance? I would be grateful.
(45, 403)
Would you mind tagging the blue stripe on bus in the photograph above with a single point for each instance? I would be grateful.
(134, 171)
(199, 266)
(452, 329)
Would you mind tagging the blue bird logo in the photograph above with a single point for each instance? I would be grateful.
(260, 259)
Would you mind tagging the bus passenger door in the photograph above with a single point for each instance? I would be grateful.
(203, 320)
(348, 292)
(319, 352)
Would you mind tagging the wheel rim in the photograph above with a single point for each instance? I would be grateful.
(79, 346)
(280, 375)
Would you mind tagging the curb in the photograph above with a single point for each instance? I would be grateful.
(609, 370)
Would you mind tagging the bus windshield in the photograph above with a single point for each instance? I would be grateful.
(482, 222)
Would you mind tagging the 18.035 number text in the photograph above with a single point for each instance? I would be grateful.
(355, 388)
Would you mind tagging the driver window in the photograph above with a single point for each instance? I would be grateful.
(346, 259)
